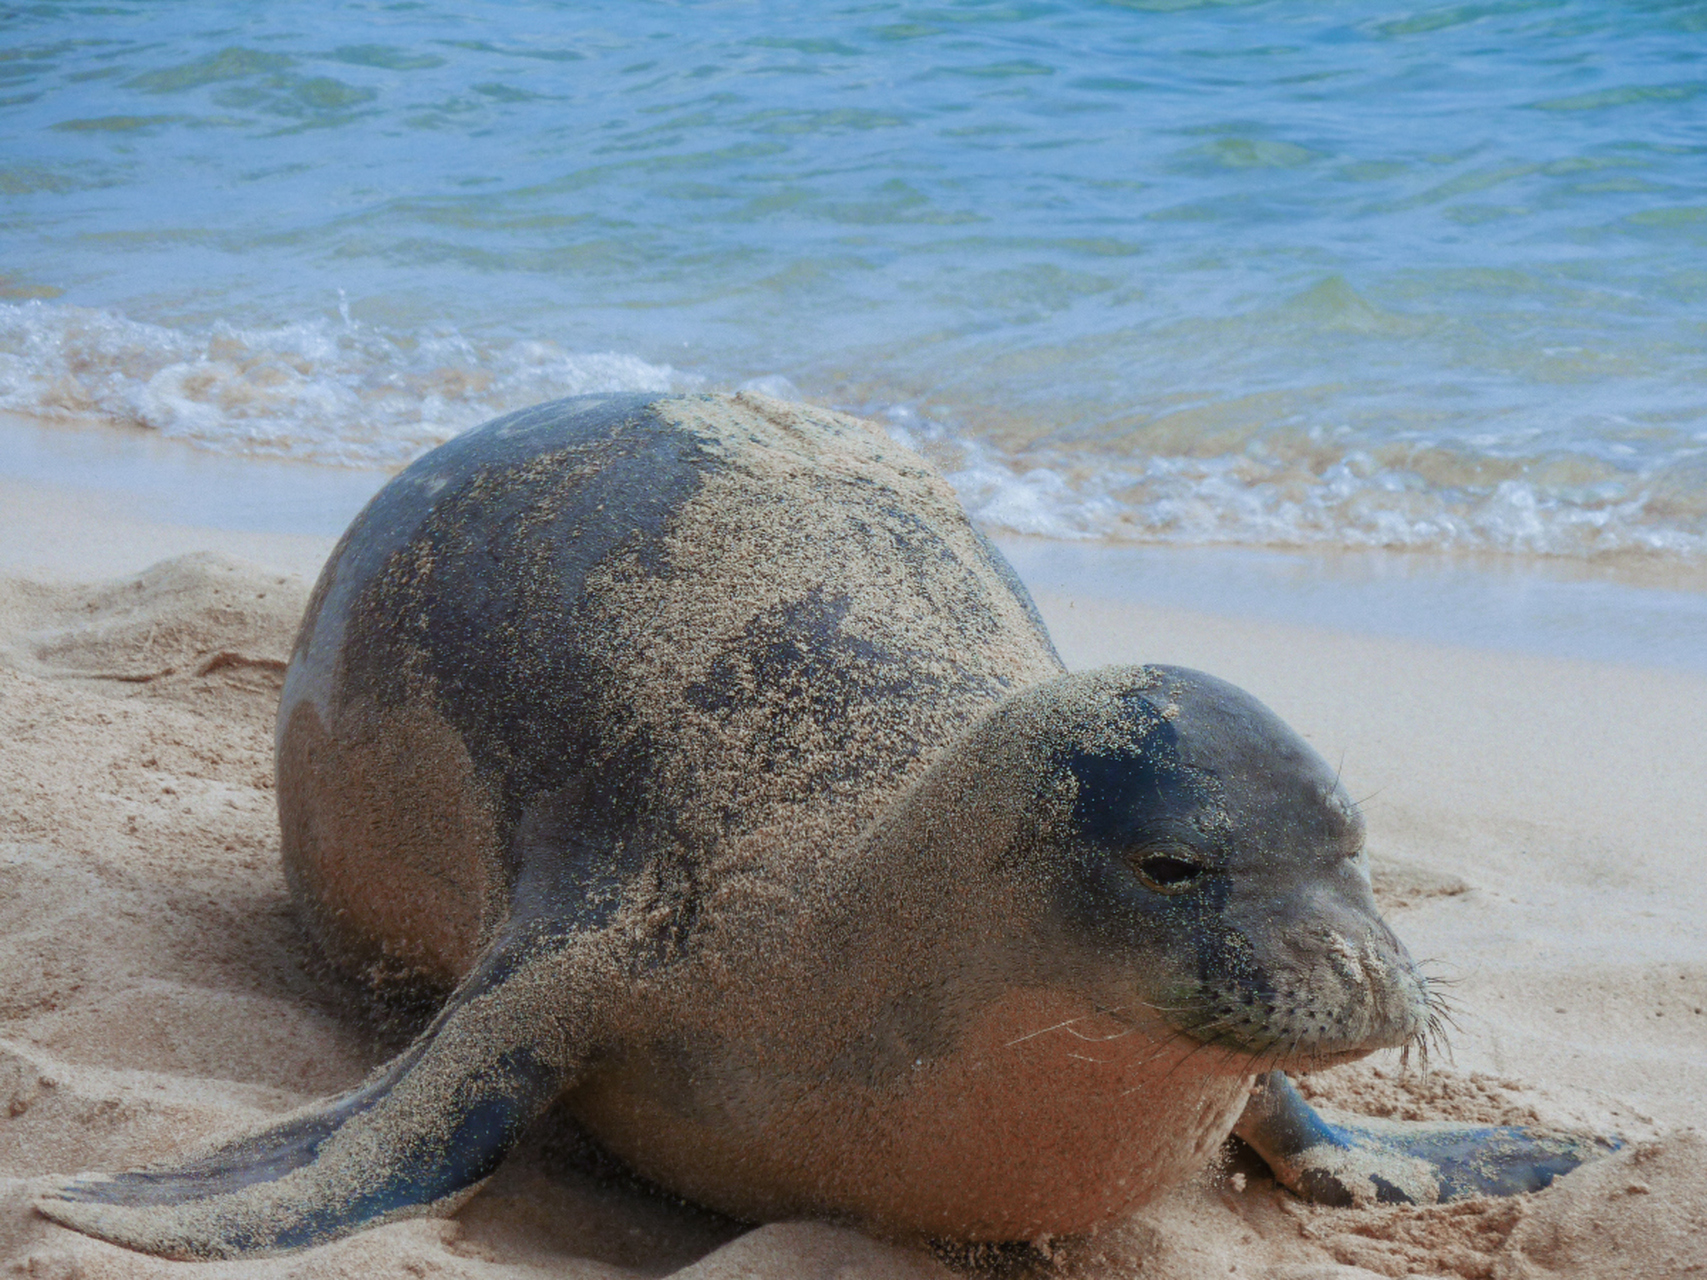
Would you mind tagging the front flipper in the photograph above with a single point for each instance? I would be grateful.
(418, 1137)
(1399, 1163)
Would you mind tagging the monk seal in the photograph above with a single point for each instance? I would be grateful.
(723, 781)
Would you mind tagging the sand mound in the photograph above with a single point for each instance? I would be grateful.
(156, 996)
(194, 628)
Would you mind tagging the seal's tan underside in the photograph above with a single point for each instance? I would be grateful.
(1047, 1118)
(390, 843)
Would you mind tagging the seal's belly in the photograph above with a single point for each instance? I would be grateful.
(389, 840)
(1040, 1121)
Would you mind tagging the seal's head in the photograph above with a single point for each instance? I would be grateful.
(1190, 837)
(1118, 899)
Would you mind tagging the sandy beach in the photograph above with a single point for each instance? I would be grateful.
(1537, 825)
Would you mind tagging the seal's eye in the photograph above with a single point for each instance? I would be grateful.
(1167, 874)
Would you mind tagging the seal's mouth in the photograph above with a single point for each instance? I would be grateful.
(1346, 1004)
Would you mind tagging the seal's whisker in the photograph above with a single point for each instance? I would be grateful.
(1442, 979)
(1178, 1008)
(1201, 1046)
(1163, 1047)
(1441, 1010)
(1439, 1017)
(1197, 1031)
(1432, 1034)
(1166, 1043)
(1043, 1031)
(1113, 1035)
(1068, 1025)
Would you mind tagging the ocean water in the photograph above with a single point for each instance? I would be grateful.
(1303, 273)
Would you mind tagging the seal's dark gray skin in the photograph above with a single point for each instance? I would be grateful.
(720, 779)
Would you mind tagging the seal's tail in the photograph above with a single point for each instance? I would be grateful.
(417, 1138)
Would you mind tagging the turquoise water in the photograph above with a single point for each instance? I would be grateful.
(1286, 274)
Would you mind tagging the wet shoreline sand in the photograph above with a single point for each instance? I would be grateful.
(1537, 822)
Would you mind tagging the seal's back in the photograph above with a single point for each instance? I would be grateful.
(691, 639)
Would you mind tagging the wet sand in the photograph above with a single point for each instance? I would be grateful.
(1537, 825)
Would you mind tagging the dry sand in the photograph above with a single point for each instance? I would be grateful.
(1537, 825)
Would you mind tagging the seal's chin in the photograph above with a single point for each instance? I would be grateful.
(1322, 1060)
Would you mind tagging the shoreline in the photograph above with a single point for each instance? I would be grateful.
(1532, 606)
(1635, 611)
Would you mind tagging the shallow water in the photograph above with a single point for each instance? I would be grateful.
(1552, 608)
(1338, 274)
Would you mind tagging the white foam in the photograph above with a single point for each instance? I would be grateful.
(1243, 499)
(322, 390)
(773, 385)
(336, 390)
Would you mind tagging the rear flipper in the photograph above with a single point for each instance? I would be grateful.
(1400, 1163)
(418, 1137)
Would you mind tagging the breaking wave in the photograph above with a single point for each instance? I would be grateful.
(338, 391)
(322, 390)
(1297, 491)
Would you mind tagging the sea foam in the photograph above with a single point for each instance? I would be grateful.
(1401, 497)
(335, 390)
(321, 390)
